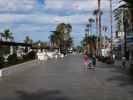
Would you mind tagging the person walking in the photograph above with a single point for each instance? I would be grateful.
(90, 55)
(85, 58)
(123, 66)
(94, 61)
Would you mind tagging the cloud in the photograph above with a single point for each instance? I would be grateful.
(16, 5)
(35, 17)
(75, 5)
(55, 5)
(43, 19)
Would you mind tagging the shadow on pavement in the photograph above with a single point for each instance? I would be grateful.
(122, 76)
(104, 65)
(41, 95)
(122, 80)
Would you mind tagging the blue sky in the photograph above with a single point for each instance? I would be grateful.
(37, 18)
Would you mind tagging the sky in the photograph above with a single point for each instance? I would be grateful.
(36, 18)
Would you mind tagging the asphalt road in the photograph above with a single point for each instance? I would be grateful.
(66, 79)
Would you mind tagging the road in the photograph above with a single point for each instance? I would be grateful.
(66, 79)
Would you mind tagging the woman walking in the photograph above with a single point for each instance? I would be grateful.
(85, 58)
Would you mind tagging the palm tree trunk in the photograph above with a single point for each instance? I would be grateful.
(99, 27)
(97, 33)
(111, 31)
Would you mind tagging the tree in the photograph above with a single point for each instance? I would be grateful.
(68, 31)
(28, 40)
(99, 27)
(91, 41)
(91, 21)
(7, 34)
(95, 13)
(87, 30)
(56, 38)
(61, 36)
(52, 39)
(69, 28)
(69, 42)
(1, 36)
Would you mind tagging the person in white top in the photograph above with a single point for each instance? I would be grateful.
(123, 62)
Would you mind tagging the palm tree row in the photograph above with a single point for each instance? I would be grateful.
(97, 43)
(98, 13)
(61, 36)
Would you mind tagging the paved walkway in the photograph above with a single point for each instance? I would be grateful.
(67, 80)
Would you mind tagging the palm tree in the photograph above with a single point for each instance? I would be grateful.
(61, 28)
(98, 14)
(61, 36)
(111, 32)
(68, 29)
(88, 28)
(28, 40)
(91, 21)
(52, 40)
(56, 38)
(60, 33)
(7, 34)
(95, 13)
(70, 42)
(99, 19)
(67, 39)
(1, 36)
(91, 41)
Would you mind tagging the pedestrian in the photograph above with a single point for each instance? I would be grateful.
(90, 54)
(123, 62)
(85, 58)
(114, 57)
(94, 61)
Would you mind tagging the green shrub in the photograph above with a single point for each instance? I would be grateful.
(2, 63)
(102, 59)
(12, 59)
(31, 55)
(107, 60)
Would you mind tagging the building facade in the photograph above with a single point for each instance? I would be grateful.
(124, 25)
